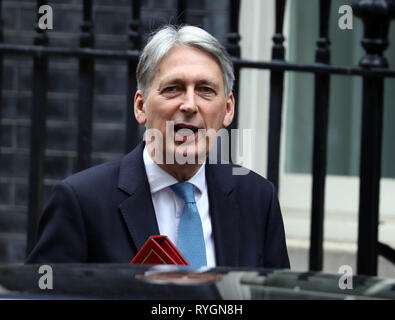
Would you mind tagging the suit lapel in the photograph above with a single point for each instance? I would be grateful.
(139, 214)
(224, 213)
(137, 210)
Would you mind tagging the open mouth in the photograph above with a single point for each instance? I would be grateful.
(185, 132)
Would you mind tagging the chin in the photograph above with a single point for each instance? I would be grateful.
(189, 154)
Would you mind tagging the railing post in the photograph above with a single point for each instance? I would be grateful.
(234, 50)
(276, 98)
(37, 135)
(1, 64)
(86, 86)
(376, 16)
(321, 107)
(181, 11)
(134, 43)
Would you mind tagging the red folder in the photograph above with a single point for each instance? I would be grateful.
(159, 250)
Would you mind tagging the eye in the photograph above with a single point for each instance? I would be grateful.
(171, 91)
(206, 90)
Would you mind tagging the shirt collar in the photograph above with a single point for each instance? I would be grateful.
(159, 179)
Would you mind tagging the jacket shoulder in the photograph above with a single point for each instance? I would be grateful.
(95, 176)
(243, 178)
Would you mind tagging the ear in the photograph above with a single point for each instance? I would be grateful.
(139, 110)
(230, 110)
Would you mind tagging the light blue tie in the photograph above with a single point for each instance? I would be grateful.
(190, 232)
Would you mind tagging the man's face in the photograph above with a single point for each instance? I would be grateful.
(188, 89)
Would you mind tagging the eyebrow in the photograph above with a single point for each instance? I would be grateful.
(168, 81)
(182, 81)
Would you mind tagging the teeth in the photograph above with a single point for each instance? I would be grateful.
(184, 131)
(177, 128)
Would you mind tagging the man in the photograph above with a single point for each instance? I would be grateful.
(166, 185)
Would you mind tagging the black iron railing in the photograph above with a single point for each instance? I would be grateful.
(37, 133)
(373, 68)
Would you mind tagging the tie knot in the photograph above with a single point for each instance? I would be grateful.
(185, 191)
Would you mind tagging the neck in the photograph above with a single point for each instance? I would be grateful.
(181, 172)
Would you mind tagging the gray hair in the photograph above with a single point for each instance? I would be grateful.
(168, 37)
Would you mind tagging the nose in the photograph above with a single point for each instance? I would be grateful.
(189, 103)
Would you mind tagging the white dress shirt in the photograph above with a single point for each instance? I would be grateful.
(168, 207)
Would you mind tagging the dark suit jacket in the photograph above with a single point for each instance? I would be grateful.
(105, 214)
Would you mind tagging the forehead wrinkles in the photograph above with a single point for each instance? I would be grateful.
(198, 80)
(176, 62)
